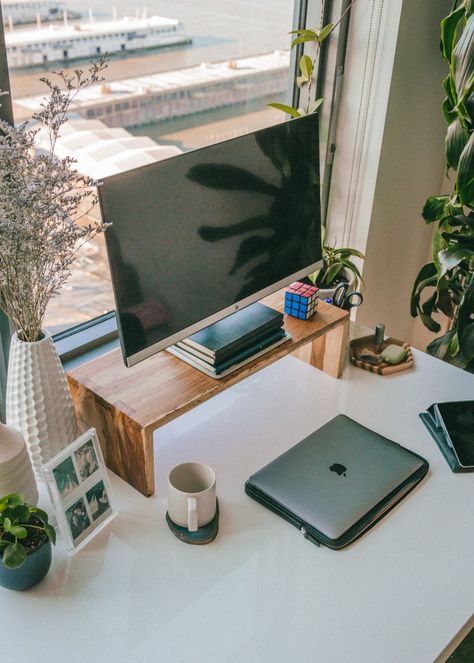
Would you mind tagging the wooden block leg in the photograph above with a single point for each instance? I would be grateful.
(328, 351)
(126, 446)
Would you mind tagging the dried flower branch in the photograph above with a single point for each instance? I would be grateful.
(42, 198)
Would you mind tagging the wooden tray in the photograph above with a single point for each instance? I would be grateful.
(358, 345)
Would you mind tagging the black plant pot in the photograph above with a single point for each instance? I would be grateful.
(31, 572)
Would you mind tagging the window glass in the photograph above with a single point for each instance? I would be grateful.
(183, 74)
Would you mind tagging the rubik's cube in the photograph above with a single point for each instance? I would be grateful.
(301, 300)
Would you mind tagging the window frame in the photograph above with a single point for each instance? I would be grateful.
(97, 334)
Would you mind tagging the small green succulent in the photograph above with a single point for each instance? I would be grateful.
(19, 522)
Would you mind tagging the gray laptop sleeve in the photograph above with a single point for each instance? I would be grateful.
(338, 482)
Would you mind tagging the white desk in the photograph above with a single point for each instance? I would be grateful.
(261, 593)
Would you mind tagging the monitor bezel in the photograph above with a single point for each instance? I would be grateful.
(155, 348)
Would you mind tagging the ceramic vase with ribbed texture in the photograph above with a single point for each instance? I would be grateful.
(16, 473)
(38, 401)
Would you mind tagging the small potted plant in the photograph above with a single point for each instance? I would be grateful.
(337, 268)
(25, 543)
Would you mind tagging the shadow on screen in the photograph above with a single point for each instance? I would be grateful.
(270, 237)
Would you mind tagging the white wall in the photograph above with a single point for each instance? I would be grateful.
(389, 154)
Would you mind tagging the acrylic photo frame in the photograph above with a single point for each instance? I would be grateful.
(80, 491)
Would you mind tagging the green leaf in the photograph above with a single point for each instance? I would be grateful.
(450, 89)
(14, 555)
(305, 32)
(301, 81)
(456, 139)
(314, 276)
(465, 94)
(451, 257)
(19, 513)
(454, 346)
(350, 252)
(465, 177)
(352, 267)
(429, 305)
(12, 499)
(438, 244)
(429, 323)
(427, 276)
(465, 322)
(314, 105)
(449, 114)
(7, 523)
(39, 513)
(18, 531)
(325, 32)
(463, 57)
(461, 220)
(460, 239)
(445, 303)
(469, 8)
(51, 532)
(434, 208)
(285, 109)
(331, 273)
(302, 40)
(449, 26)
(306, 66)
(441, 348)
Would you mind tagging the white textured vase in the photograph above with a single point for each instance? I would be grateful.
(16, 473)
(38, 401)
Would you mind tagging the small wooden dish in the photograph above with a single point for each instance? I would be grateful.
(365, 344)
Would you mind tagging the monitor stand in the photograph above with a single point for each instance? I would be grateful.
(126, 405)
(243, 322)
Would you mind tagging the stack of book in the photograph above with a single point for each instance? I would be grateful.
(233, 340)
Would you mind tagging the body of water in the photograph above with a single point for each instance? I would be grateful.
(220, 30)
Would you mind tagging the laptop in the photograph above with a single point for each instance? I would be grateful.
(338, 482)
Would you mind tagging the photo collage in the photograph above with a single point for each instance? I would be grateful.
(78, 482)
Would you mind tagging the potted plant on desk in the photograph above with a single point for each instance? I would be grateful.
(25, 543)
(44, 207)
(338, 267)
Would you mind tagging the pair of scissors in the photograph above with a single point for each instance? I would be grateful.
(344, 299)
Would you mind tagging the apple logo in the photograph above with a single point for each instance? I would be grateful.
(339, 469)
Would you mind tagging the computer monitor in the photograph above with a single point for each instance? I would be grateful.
(198, 236)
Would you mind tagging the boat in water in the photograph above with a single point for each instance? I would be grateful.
(70, 41)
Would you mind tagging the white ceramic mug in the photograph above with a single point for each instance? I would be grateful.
(192, 495)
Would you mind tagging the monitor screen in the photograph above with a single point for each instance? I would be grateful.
(200, 235)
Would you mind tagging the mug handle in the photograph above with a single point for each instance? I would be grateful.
(192, 514)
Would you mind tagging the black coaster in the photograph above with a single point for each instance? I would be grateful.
(204, 534)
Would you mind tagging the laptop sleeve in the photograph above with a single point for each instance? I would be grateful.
(308, 528)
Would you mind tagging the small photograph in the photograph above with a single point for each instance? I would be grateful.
(77, 518)
(98, 500)
(65, 477)
(86, 460)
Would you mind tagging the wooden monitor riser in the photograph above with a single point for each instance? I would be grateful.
(126, 405)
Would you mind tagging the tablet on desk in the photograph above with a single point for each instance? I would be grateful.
(457, 423)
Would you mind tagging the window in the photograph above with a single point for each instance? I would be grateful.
(195, 62)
